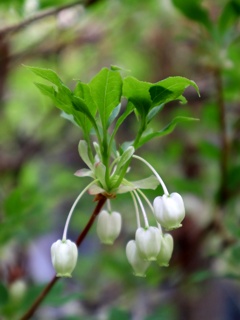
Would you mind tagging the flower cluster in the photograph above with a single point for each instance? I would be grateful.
(95, 107)
(150, 243)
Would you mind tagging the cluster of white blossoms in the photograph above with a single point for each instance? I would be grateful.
(150, 243)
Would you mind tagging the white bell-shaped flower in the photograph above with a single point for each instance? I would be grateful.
(108, 226)
(169, 210)
(64, 255)
(17, 290)
(166, 250)
(148, 242)
(136, 261)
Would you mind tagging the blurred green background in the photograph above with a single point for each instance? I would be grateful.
(200, 160)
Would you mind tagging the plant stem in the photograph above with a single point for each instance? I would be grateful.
(136, 210)
(64, 237)
(96, 211)
(81, 237)
(165, 190)
(105, 157)
(39, 299)
(146, 199)
(142, 208)
(125, 167)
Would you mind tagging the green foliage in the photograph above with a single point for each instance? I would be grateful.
(165, 312)
(229, 15)
(148, 135)
(103, 94)
(220, 35)
(116, 314)
(194, 11)
(106, 91)
(170, 89)
(94, 106)
(3, 295)
(137, 92)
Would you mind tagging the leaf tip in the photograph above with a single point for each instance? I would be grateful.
(117, 68)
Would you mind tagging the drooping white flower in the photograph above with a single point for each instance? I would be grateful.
(64, 255)
(134, 258)
(166, 250)
(108, 226)
(169, 210)
(148, 242)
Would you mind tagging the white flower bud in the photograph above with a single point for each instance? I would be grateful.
(17, 290)
(169, 210)
(166, 250)
(148, 242)
(64, 257)
(138, 264)
(108, 226)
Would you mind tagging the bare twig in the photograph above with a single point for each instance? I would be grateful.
(41, 15)
(43, 294)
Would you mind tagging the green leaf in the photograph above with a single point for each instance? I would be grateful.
(200, 276)
(61, 98)
(64, 99)
(120, 120)
(83, 91)
(114, 114)
(84, 173)
(194, 11)
(46, 74)
(137, 92)
(48, 91)
(127, 154)
(106, 91)
(69, 117)
(3, 295)
(234, 179)
(229, 15)
(235, 253)
(168, 129)
(100, 173)
(153, 112)
(97, 150)
(116, 314)
(83, 152)
(126, 145)
(117, 68)
(147, 183)
(209, 150)
(82, 114)
(170, 89)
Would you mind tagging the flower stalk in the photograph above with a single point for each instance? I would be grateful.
(33, 308)
(64, 237)
(155, 173)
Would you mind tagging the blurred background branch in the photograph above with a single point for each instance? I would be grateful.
(42, 15)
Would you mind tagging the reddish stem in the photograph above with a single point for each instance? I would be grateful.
(81, 237)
